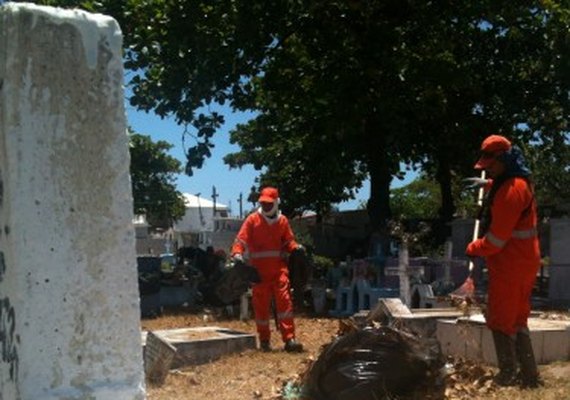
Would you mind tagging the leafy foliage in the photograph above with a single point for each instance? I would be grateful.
(153, 181)
(346, 90)
(550, 164)
(419, 199)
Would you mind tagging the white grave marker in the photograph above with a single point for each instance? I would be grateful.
(69, 305)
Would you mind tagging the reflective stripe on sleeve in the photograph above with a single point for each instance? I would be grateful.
(243, 243)
(495, 241)
(523, 234)
(283, 315)
(527, 234)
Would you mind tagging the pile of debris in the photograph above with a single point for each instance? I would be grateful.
(374, 362)
(371, 361)
(375, 357)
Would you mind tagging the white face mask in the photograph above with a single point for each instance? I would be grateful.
(272, 211)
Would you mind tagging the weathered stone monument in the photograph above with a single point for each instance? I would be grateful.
(69, 307)
(559, 268)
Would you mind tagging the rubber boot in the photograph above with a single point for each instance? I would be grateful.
(264, 346)
(525, 354)
(507, 359)
(292, 346)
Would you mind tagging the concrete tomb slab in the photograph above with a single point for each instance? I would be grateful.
(470, 338)
(158, 357)
(203, 344)
(420, 321)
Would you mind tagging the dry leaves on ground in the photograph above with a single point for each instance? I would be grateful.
(257, 375)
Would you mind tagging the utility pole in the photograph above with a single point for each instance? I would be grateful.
(214, 196)
(240, 200)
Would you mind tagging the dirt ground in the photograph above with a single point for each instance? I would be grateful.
(257, 375)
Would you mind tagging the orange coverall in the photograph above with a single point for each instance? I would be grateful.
(511, 250)
(265, 244)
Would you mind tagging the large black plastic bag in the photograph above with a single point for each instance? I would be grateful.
(232, 284)
(300, 271)
(371, 364)
(148, 274)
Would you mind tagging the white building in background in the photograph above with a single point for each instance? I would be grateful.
(200, 223)
(141, 226)
(199, 216)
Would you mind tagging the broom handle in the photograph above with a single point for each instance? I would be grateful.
(477, 222)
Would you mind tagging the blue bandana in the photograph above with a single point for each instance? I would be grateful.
(515, 163)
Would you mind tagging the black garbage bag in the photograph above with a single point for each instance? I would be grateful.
(300, 271)
(372, 364)
(148, 268)
(231, 285)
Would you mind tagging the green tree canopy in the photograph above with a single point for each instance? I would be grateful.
(153, 181)
(349, 89)
(550, 165)
(419, 199)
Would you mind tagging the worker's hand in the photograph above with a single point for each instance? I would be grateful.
(237, 258)
(470, 249)
(474, 183)
(299, 251)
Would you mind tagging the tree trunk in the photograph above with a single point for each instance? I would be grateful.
(379, 202)
(378, 205)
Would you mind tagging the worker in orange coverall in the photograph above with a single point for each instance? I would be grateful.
(265, 239)
(510, 247)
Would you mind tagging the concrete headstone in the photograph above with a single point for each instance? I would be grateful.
(69, 306)
(559, 268)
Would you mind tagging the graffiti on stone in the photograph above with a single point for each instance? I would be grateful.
(8, 338)
(1, 202)
(2, 266)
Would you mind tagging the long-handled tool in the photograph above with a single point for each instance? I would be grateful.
(467, 289)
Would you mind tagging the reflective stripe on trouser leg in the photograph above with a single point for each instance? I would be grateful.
(284, 306)
(261, 299)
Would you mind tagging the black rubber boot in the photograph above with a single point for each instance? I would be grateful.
(529, 371)
(265, 346)
(507, 359)
(292, 346)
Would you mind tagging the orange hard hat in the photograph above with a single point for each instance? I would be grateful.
(491, 147)
(268, 195)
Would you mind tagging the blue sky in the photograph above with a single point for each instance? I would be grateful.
(229, 183)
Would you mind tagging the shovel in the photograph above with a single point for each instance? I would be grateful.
(467, 289)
